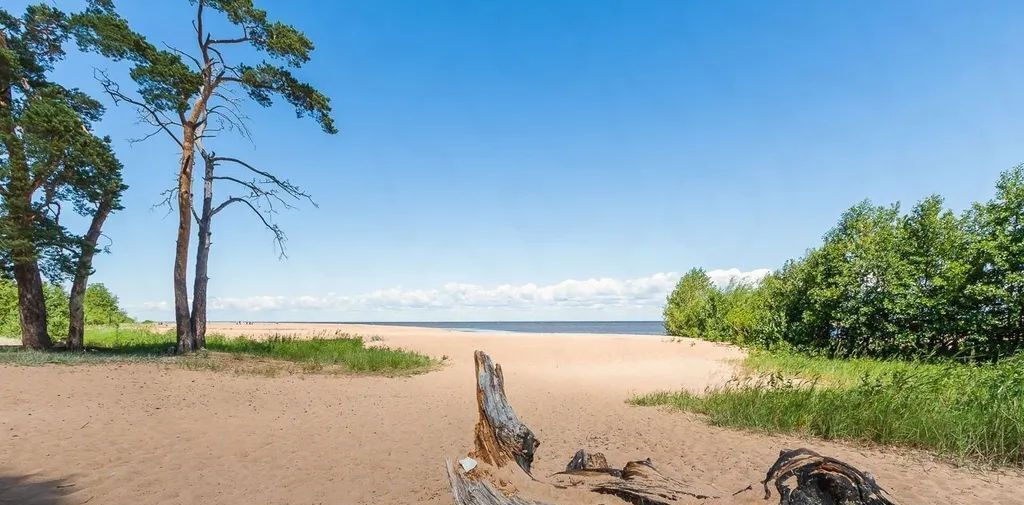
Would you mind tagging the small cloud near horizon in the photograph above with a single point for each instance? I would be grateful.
(642, 295)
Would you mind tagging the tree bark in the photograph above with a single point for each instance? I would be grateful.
(182, 317)
(76, 299)
(467, 491)
(31, 304)
(202, 280)
(500, 435)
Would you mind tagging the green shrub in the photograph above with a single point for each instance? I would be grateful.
(101, 307)
(926, 284)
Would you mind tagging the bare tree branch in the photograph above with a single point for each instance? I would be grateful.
(279, 235)
(230, 115)
(168, 201)
(220, 58)
(225, 203)
(285, 185)
(238, 40)
(183, 53)
(153, 117)
(199, 32)
(145, 137)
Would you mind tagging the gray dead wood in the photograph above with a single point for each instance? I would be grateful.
(500, 435)
(468, 491)
(583, 460)
(804, 477)
(639, 483)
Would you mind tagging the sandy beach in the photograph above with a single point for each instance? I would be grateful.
(128, 434)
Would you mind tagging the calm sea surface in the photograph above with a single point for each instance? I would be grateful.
(627, 327)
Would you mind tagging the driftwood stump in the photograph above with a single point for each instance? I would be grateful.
(804, 477)
(801, 476)
(500, 435)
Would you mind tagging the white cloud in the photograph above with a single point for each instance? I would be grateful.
(572, 294)
(152, 306)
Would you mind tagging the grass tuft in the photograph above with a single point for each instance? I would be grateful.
(972, 414)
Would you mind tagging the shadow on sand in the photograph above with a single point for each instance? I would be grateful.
(32, 490)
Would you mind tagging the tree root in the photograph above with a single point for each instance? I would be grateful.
(804, 477)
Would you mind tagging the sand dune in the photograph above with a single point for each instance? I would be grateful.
(131, 434)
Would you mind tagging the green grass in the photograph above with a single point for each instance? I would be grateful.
(336, 352)
(971, 414)
(347, 351)
(829, 370)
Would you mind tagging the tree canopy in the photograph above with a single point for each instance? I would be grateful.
(926, 283)
(51, 162)
(173, 82)
(101, 308)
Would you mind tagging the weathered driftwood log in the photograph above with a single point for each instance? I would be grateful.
(804, 477)
(642, 484)
(467, 491)
(639, 483)
(500, 435)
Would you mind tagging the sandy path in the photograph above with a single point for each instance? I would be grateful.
(130, 435)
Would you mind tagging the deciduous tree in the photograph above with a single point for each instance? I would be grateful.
(688, 311)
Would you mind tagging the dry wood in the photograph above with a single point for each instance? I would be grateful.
(500, 435)
(467, 491)
(642, 484)
(583, 460)
(804, 477)
(639, 483)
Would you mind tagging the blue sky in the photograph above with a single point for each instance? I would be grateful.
(561, 160)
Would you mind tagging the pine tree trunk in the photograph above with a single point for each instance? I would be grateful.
(18, 203)
(76, 299)
(182, 318)
(31, 304)
(202, 280)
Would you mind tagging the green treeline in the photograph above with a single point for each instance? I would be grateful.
(101, 308)
(927, 283)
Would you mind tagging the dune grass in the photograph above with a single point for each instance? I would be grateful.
(335, 352)
(347, 351)
(835, 371)
(971, 414)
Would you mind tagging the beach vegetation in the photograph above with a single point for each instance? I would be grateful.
(336, 352)
(971, 414)
(900, 328)
(99, 306)
(927, 284)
